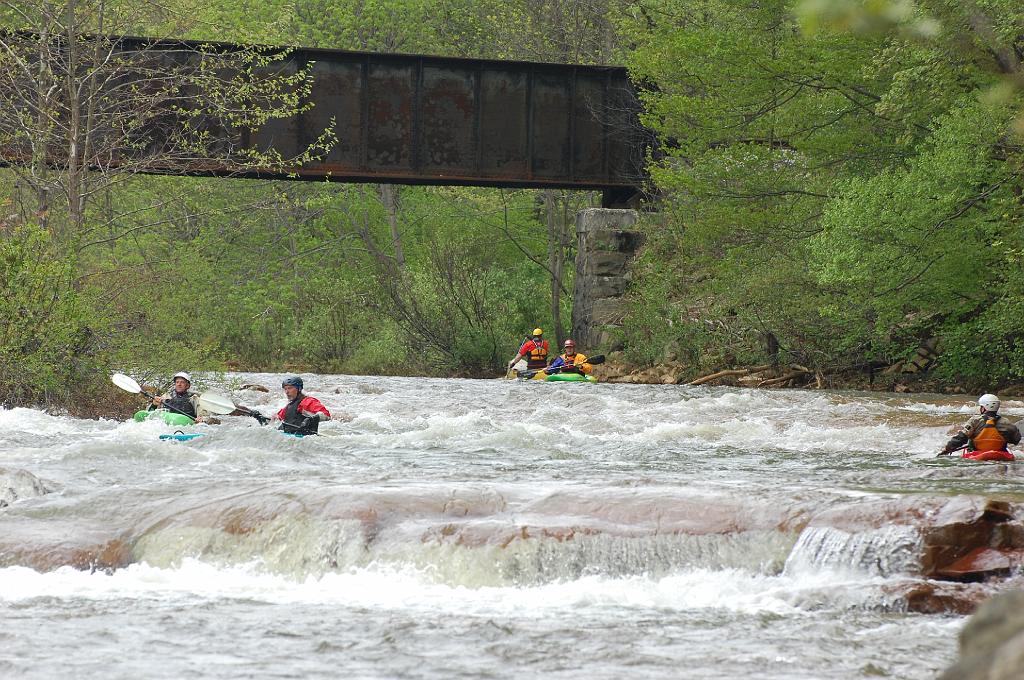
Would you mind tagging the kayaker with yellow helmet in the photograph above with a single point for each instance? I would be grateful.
(535, 350)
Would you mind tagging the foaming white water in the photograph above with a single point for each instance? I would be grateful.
(885, 551)
(460, 528)
(566, 417)
(388, 588)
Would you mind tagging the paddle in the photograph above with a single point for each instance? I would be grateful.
(222, 405)
(129, 385)
(594, 360)
(208, 401)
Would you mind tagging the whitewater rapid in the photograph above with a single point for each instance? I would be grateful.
(472, 528)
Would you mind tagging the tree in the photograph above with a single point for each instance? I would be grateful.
(81, 109)
(797, 166)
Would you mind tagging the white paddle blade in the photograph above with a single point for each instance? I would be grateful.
(216, 403)
(125, 383)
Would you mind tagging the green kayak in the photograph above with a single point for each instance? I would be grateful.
(570, 377)
(169, 417)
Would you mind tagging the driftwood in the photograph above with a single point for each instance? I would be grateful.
(729, 373)
(795, 373)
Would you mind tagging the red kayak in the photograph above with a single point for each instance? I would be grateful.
(989, 455)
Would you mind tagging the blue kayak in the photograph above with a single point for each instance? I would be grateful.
(180, 436)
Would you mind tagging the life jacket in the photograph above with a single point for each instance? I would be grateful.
(180, 403)
(571, 365)
(538, 356)
(988, 437)
(293, 418)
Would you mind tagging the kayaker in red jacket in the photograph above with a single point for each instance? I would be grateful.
(534, 350)
(302, 414)
(986, 431)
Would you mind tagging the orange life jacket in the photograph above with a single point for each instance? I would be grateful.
(988, 438)
(538, 356)
(577, 363)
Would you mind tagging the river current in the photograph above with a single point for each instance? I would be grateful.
(480, 529)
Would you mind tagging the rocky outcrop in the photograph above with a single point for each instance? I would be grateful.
(992, 642)
(965, 538)
(617, 370)
(18, 484)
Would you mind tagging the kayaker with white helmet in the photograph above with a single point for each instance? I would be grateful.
(987, 431)
(302, 414)
(535, 350)
(180, 399)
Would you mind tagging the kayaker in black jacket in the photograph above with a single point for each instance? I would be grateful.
(180, 399)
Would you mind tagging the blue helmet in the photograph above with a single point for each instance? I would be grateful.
(294, 381)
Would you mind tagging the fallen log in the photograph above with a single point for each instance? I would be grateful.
(795, 373)
(729, 373)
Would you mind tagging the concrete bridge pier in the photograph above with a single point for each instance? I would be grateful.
(606, 246)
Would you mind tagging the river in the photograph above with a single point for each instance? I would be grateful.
(481, 528)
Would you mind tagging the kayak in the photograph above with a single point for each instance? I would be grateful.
(570, 377)
(989, 455)
(558, 377)
(169, 417)
(180, 436)
(189, 436)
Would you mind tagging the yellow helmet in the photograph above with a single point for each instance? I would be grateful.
(538, 331)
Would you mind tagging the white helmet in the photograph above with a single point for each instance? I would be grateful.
(186, 376)
(989, 403)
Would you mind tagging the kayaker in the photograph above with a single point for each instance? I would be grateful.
(535, 350)
(570, 361)
(180, 399)
(987, 431)
(302, 414)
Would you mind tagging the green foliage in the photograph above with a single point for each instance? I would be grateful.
(847, 192)
(47, 341)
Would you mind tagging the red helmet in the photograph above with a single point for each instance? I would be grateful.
(570, 343)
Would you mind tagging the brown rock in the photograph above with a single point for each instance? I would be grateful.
(933, 597)
(992, 642)
(982, 562)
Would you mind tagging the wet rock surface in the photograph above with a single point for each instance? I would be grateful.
(19, 484)
(992, 642)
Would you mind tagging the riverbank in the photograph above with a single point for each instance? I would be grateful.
(617, 369)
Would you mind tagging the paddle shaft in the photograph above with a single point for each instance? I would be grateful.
(129, 384)
(594, 360)
(169, 408)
